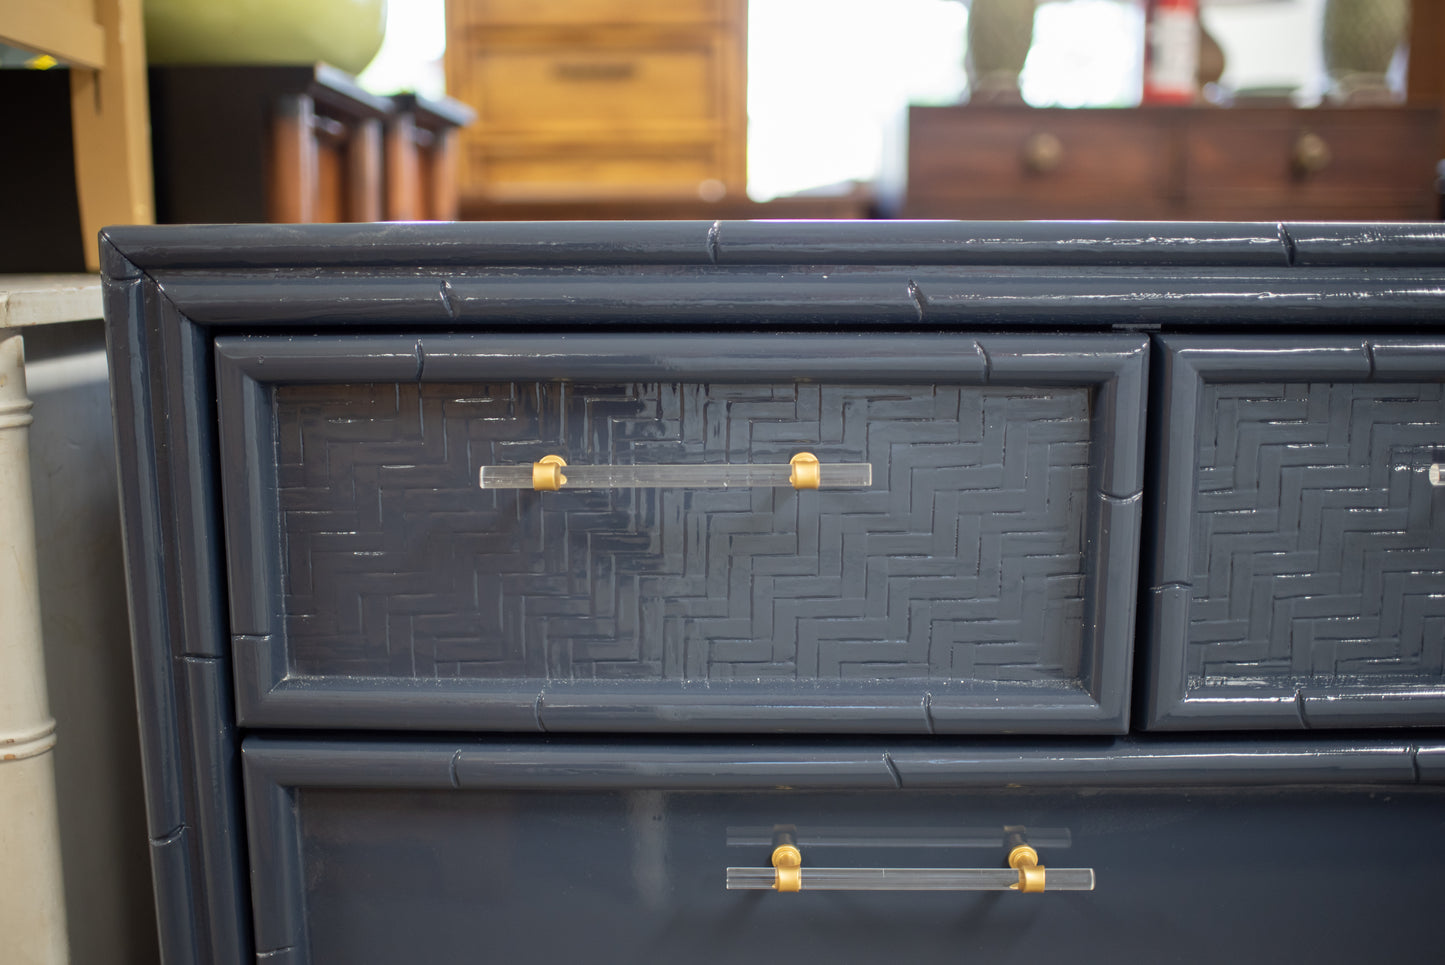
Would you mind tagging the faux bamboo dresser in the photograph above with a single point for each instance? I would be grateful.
(577, 592)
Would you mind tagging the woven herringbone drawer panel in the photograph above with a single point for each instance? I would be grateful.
(1313, 561)
(965, 560)
(969, 567)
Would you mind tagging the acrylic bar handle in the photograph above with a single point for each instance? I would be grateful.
(804, 472)
(1023, 874)
(909, 879)
(1437, 474)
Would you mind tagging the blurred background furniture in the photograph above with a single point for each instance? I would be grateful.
(421, 158)
(593, 100)
(1163, 163)
(296, 144)
(103, 43)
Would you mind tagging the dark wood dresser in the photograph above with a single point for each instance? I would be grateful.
(1206, 164)
(548, 592)
(297, 144)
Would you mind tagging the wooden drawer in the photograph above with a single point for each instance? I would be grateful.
(983, 582)
(987, 163)
(1297, 164)
(598, 88)
(1301, 548)
(570, 13)
(1252, 164)
(379, 853)
(599, 99)
(525, 170)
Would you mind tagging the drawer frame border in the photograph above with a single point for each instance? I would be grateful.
(1112, 367)
(276, 768)
(1183, 365)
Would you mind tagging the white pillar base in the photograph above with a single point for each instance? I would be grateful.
(32, 892)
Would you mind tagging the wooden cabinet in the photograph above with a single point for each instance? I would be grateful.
(295, 144)
(1162, 163)
(421, 158)
(285, 144)
(590, 99)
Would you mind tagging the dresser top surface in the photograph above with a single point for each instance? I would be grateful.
(729, 243)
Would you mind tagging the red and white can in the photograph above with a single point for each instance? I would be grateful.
(1171, 57)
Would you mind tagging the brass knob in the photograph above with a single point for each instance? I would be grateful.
(1311, 155)
(1043, 152)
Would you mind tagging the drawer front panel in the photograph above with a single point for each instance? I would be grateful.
(539, 169)
(387, 853)
(1281, 164)
(528, 13)
(597, 89)
(983, 581)
(1062, 161)
(1302, 545)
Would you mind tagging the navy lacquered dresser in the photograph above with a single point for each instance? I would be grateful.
(583, 591)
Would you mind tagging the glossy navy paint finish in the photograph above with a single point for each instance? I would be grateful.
(411, 607)
(172, 291)
(451, 851)
(1300, 549)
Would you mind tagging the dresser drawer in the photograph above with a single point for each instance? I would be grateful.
(1300, 561)
(559, 167)
(597, 88)
(983, 582)
(571, 13)
(999, 163)
(621, 853)
(1376, 164)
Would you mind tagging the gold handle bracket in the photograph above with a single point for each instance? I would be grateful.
(547, 474)
(806, 472)
(788, 868)
(1025, 860)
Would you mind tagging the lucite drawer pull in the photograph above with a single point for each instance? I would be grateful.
(1023, 874)
(1437, 474)
(804, 471)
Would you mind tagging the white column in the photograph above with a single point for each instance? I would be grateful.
(32, 900)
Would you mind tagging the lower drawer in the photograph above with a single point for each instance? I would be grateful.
(527, 169)
(564, 851)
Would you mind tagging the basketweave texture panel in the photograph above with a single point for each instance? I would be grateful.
(1318, 542)
(965, 560)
